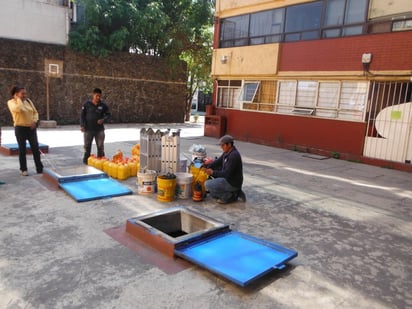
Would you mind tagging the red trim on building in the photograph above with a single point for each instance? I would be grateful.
(216, 35)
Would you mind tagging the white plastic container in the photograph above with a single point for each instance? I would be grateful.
(184, 185)
(146, 182)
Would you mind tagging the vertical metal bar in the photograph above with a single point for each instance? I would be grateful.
(370, 129)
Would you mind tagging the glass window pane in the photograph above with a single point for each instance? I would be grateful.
(273, 39)
(249, 91)
(235, 103)
(355, 11)
(303, 17)
(355, 30)
(306, 94)
(223, 82)
(328, 94)
(242, 42)
(235, 27)
(266, 23)
(287, 93)
(223, 97)
(310, 35)
(353, 96)
(292, 37)
(402, 25)
(335, 10)
(331, 33)
(235, 83)
(226, 44)
(256, 41)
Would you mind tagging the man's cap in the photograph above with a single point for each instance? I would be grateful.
(225, 139)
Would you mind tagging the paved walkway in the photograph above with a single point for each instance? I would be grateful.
(350, 223)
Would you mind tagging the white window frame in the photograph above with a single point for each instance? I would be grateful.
(348, 99)
(245, 93)
(307, 94)
(231, 98)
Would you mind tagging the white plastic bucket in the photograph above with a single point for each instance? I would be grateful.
(146, 182)
(184, 185)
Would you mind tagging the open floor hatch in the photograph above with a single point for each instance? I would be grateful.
(86, 183)
(238, 257)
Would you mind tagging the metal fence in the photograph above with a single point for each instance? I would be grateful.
(389, 121)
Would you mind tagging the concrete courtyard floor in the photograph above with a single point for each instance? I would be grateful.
(350, 223)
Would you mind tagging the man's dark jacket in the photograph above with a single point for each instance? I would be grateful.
(91, 113)
(229, 166)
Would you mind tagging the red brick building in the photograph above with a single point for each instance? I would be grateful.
(329, 76)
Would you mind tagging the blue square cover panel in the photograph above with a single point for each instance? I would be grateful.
(15, 146)
(92, 189)
(238, 257)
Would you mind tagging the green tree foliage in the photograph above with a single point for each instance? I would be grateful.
(164, 28)
(199, 61)
(174, 29)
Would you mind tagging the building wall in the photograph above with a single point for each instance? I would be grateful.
(36, 21)
(344, 54)
(225, 8)
(334, 59)
(296, 132)
(137, 88)
(246, 61)
(380, 8)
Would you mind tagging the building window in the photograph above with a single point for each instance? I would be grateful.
(228, 93)
(307, 21)
(402, 25)
(306, 94)
(235, 31)
(341, 100)
(352, 100)
(266, 27)
(328, 99)
(248, 92)
(261, 99)
(303, 21)
(344, 17)
(286, 96)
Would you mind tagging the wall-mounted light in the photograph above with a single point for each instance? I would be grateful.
(223, 59)
(366, 60)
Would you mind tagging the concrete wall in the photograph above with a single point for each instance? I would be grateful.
(381, 8)
(226, 8)
(137, 88)
(36, 21)
(246, 61)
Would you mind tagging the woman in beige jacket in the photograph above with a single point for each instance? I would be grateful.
(25, 118)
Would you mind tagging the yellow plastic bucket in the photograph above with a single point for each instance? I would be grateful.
(166, 189)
